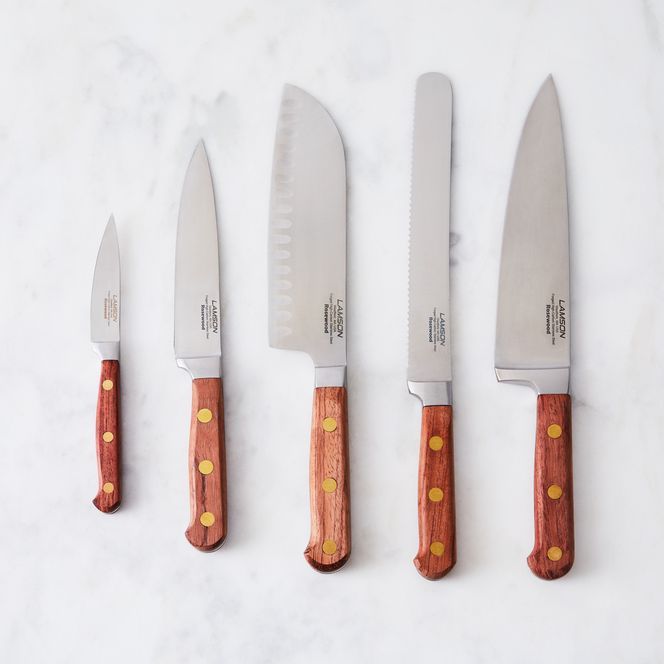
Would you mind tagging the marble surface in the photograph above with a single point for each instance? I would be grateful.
(102, 104)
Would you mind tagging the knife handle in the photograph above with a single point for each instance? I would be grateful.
(329, 482)
(553, 553)
(207, 466)
(436, 555)
(108, 438)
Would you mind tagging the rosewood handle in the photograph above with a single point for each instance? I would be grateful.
(108, 438)
(435, 503)
(329, 482)
(207, 466)
(553, 553)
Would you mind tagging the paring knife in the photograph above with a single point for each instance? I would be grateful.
(429, 356)
(105, 336)
(198, 350)
(307, 295)
(533, 324)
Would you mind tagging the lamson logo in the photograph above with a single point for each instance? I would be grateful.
(340, 318)
(562, 319)
(214, 317)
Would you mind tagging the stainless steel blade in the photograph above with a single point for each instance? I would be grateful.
(533, 333)
(197, 302)
(307, 238)
(429, 357)
(105, 303)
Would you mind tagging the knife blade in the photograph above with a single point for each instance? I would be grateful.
(429, 356)
(105, 337)
(307, 301)
(198, 350)
(533, 322)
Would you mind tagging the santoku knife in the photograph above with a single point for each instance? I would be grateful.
(307, 294)
(533, 323)
(105, 336)
(198, 350)
(429, 357)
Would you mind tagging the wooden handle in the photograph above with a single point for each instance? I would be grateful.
(108, 438)
(553, 553)
(207, 466)
(435, 503)
(329, 482)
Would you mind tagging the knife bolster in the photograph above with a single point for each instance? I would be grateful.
(432, 393)
(201, 367)
(330, 376)
(543, 381)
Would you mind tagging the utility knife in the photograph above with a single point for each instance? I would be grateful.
(429, 356)
(105, 336)
(533, 322)
(307, 301)
(198, 350)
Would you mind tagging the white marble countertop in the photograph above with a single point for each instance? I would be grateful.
(102, 104)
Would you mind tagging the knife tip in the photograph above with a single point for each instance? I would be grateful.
(200, 147)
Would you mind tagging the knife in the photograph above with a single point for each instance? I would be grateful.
(307, 302)
(429, 356)
(105, 336)
(533, 323)
(198, 350)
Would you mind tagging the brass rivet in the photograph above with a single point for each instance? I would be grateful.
(329, 485)
(107, 384)
(329, 424)
(329, 547)
(436, 443)
(108, 487)
(554, 431)
(435, 495)
(555, 553)
(207, 519)
(437, 548)
(554, 491)
(107, 436)
(204, 415)
(206, 466)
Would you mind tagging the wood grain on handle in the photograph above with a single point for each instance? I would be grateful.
(108, 438)
(436, 514)
(553, 554)
(207, 466)
(329, 481)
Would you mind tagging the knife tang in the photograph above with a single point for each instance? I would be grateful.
(108, 438)
(436, 514)
(207, 466)
(553, 553)
(329, 481)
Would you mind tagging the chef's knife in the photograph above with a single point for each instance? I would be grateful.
(105, 336)
(198, 350)
(533, 325)
(429, 357)
(307, 294)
